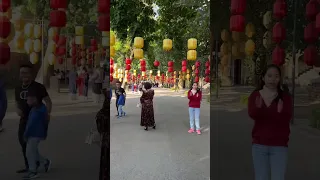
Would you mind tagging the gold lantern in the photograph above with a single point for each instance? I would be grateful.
(188, 71)
(52, 32)
(105, 33)
(37, 45)
(19, 41)
(250, 30)
(225, 60)
(79, 40)
(28, 46)
(250, 47)
(225, 35)
(150, 71)
(105, 41)
(52, 47)
(236, 49)
(188, 76)
(79, 31)
(51, 59)
(19, 24)
(193, 67)
(37, 31)
(175, 72)
(167, 44)
(112, 51)
(138, 42)
(192, 55)
(34, 58)
(192, 43)
(224, 49)
(138, 53)
(143, 73)
(28, 30)
(236, 36)
(112, 39)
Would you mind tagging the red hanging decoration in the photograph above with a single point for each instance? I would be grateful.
(5, 27)
(279, 9)
(143, 68)
(310, 55)
(104, 6)
(207, 64)
(184, 63)
(207, 72)
(128, 67)
(58, 4)
(60, 51)
(184, 69)
(237, 23)
(170, 63)
(310, 33)
(111, 78)
(5, 5)
(278, 33)
(58, 18)
(207, 79)
(104, 22)
(170, 69)
(198, 64)
(196, 79)
(128, 61)
(111, 70)
(111, 62)
(311, 10)
(238, 7)
(278, 56)
(196, 71)
(4, 53)
(142, 62)
(62, 41)
(156, 63)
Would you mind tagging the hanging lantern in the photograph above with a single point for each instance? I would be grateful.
(62, 41)
(225, 35)
(5, 5)
(237, 23)
(104, 22)
(267, 39)
(142, 62)
(37, 46)
(58, 4)
(192, 55)
(170, 69)
(207, 72)
(184, 69)
(58, 18)
(184, 63)
(34, 58)
(278, 33)
(207, 79)
(156, 63)
(236, 36)
(111, 78)
(19, 41)
(28, 46)
(312, 10)
(196, 79)
(207, 64)
(138, 53)
(37, 31)
(278, 56)
(104, 6)
(112, 51)
(250, 30)
(79, 40)
(52, 32)
(279, 9)
(128, 67)
(138, 42)
(167, 44)
(238, 7)
(310, 55)
(19, 24)
(192, 44)
(5, 25)
(170, 63)
(111, 62)
(250, 47)
(196, 71)
(51, 59)
(188, 76)
(4, 53)
(128, 61)
(224, 49)
(111, 70)
(310, 33)
(79, 30)
(143, 68)
(267, 19)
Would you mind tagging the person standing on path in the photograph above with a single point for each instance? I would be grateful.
(86, 83)
(271, 109)
(195, 97)
(120, 104)
(3, 103)
(97, 79)
(147, 111)
(118, 91)
(73, 76)
(23, 109)
(36, 131)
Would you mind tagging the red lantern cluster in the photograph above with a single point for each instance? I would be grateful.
(184, 66)
(58, 16)
(170, 66)
(128, 64)
(5, 29)
(163, 78)
(196, 71)
(279, 32)
(104, 16)
(60, 48)
(143, 65)
(237, 20)
(111, 69)
(311, 33)
(207, 72)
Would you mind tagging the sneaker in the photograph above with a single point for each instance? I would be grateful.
(47, 165)
(22, 171)
(191, 130)
(119, 117)
(31, 175)
(198, 132)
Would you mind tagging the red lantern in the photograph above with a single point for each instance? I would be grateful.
(5, 27)
(143, 68)
(128, 61)
(196, 79)
(56, 38)
(278, 56)
(207, 64)
(104, 6)
(93, 48)
(58, 4)
(310, 33)
(62, 41)
(170, 63)
(104, 22)
(138, 76)
(198, 64)
(310, 55)
(73, 60)
(60, 60)
(111, 70)
(142, 62)
(111, 78)
(170, 69)
(5, 5)
(58, 18)
(238, 7)
(278, 33)
(207, 72)
(128, 67)
(93, 42)
(279, 9)
(318, 22)
(207, 79)
(156, 63)
(60, 51)
(196, 71)
(184, 69)
(111, 62)
(184, 63)
(237, 23)
(311, 10)
(4, 53)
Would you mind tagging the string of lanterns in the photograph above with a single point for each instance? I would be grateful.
(225, 52)
(5, 31)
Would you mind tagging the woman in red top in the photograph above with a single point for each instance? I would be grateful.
(271, 109)
(194, 96)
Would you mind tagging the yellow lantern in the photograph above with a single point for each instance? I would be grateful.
(225, 60)
(192, 55)
(112, 51)
(51, 59)
(19, 41)
(52, 47)
(79, 31)
(112, 39)
(28, 30)
(193, 67)
(28, 46)
(37, 45)
(224, 49)
(250, 30)
(150, 71)
(250, 47)
(34, 58)
(52, 32)
(19, 24)
(138, 53)
(188, 71)
(37, 31)
(138, 42)
(192, 43)
(167, 44)
(188, 76)
(105, 41)
(236, 36)
(79, 40)
(225, 35)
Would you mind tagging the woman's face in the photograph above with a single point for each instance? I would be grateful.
(272, 78)
(195, 86)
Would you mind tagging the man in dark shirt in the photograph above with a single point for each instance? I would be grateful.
(118, 91)
(22, 107)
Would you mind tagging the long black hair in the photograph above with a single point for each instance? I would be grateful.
(262, 83)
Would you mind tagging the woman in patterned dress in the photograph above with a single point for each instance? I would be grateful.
(147, 112)
(103, 126)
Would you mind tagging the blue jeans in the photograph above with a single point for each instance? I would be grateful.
(120, 110)
(33, 155)
(194, 115)
(269, 160)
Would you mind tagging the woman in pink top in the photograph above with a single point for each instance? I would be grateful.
(194, 96)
